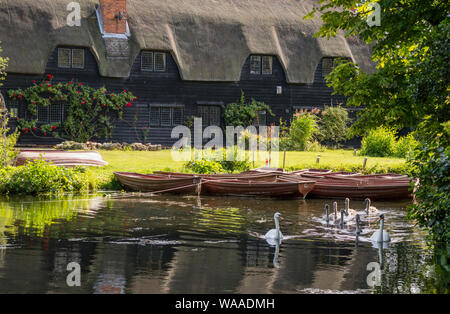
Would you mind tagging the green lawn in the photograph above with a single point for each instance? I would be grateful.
(147, 162)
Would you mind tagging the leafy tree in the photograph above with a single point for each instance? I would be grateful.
(333, 125)
(409, 88)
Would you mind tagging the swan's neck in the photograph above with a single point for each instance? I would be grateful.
(277, 227)
(347, 205)
(367, 207)
(380, 236)
(357, 226)
(326, 213)
(335, 213)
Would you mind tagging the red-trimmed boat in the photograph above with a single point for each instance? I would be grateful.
(159, 183)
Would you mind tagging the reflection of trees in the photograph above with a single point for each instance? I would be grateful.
(32, 218)
(411, 269)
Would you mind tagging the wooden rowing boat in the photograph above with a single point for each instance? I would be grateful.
(275, 187)
(221, 176)
(61, 158)
(159, 183)
(376, 187)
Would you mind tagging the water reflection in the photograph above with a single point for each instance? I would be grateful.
(172, 244)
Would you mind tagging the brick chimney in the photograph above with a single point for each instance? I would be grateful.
(114, 16)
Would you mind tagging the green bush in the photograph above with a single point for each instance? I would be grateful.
(404, 145)
(244, 114)
(303, 128)
(333, 125)
(7, 150)
(204, 166)
(40, 177)
(379, 142)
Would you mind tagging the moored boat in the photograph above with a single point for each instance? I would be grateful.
(357, 186)
(276, 187)
(61, 158)
(159, 183)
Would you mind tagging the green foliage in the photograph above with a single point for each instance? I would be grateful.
(204, 166)
(303, 128)
(333, 125)
(432, 209)
(7, 150)
(410, 87)
(379, 142)
(382, 142)
(89, 110)
(40, 177)
(406, 144)
(3, 66)
(244, 114)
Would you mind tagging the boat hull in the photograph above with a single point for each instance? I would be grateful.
(159, 184)
(259, 188)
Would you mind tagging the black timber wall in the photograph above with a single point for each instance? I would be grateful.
(167, 88)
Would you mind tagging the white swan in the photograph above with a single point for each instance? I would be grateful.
(358, 220)
(327, 214)
(275, 234)
(335, 211)
(349, 211)
(370, 210)
(380, 235)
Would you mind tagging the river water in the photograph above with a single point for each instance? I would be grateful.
(136, 243)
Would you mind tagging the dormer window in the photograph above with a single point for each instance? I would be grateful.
(152, 61)
(70, 58)
(261, 65)
(327, 66)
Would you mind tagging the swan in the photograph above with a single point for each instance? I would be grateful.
(380, 235)
(370, 209)
(327, 217)
(358, 220)
(341, 220)
(275, 234)
(335, 211)
(349, 211)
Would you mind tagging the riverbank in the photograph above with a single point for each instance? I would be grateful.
(102, 178)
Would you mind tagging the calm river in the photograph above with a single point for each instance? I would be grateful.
(132, 243)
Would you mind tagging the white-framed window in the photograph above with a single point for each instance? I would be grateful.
(152, 61)
(64, 57)
(78, 58)
(255, 64)
(147, 61)
(71, 58)
(266, 65)
(53, 113)
(261, 65)
(166, 116)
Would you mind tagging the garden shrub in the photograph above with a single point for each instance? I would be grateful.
(39, 177)
(244, 114)
(379, 142)
(404, 145)
(333, 125)
(7, 150)
(204, 166)
(303, 128)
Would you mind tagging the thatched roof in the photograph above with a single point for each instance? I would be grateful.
(209, 39)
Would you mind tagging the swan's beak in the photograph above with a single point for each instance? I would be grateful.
(281, 217)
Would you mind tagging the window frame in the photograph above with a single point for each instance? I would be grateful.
(69, 61)
(154, 55)
(207, 110)
(270, 58)
(82, 50)
(171, 111)
(152, 59)
(252, 58)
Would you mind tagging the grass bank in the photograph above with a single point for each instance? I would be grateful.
(149, 161)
